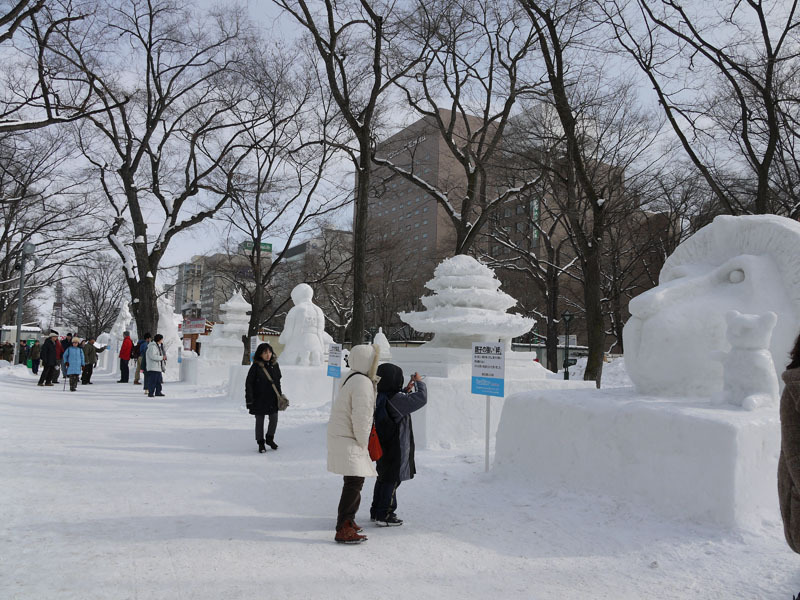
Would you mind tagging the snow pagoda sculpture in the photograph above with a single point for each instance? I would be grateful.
(467, 306)
(225, 342)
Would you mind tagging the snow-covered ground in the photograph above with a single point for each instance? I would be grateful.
(105, 493)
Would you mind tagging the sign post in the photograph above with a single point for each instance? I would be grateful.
(488, 378)
(334, 367)
(254, 341)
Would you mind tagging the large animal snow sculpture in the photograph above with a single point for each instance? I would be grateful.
(467, 306)
(746, 263)
(303, 331)
(748, 377)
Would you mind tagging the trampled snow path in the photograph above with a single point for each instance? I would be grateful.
(107, 494)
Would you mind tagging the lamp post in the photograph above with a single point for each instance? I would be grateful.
(28, 248)
(567, 316)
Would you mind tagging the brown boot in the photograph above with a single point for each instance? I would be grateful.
(347, 534)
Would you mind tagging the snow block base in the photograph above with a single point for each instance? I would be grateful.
(683, 459)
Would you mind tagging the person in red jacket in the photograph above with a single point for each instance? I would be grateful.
(59, 360)
(125, 357)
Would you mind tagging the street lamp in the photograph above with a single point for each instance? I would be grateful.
(28, 248)
(567, 316)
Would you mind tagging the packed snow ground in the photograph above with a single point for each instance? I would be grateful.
(105, 493)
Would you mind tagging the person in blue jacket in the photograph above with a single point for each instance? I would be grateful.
(73, 363)
(393, 409)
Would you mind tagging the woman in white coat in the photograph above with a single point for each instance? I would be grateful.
(155, 360)
(348, 435)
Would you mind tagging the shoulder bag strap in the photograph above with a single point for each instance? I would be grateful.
(277, 393)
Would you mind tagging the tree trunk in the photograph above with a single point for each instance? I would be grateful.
(594, 314)
(360, 245)
(145, 305)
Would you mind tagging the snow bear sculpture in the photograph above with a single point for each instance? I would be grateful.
(748, 377)
(303, 331)
(746, 263)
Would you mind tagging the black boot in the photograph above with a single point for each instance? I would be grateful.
(261, 448)
(271, 442)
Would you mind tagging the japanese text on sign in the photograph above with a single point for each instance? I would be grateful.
(488, 369)
(335, 360)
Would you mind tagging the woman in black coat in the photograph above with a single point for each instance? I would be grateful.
(260, 394)
(393, 409)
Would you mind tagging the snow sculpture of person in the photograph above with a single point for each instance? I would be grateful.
(749, 377)
(302, 334)
(746, 263)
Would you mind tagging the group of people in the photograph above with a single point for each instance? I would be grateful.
(24, 354)
(71, 357)
(371, 394)
(151, 359)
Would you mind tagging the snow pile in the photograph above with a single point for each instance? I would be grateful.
(467, 306)
(682, 459)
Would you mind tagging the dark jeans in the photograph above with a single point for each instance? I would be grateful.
(35, 366)
(384, 499)
(271, 427)
(86, 376)
(124, 373)
(73, 382)
(154, 380)
(350, 500)
(48, 374)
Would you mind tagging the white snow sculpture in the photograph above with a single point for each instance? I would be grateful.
(302, 334)
(122, 323)
(224, 344)
(746, 263)
(467, 306)
(749, 377)
(168, 327)
(383, 343)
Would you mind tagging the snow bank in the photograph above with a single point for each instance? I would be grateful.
(614, 373)
(681, 458)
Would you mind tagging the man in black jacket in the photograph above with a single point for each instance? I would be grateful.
(49, 361)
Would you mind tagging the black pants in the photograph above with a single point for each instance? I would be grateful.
(86, 376)
(350, 500)
(48, 373)
(73, 382)
(271, 427)
(154, 380)
(384, 499)
(35, 366)
(124, 373)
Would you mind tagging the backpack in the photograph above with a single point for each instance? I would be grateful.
(135, 352)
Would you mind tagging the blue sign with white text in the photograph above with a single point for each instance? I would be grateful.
(488, 386)
(334, 371)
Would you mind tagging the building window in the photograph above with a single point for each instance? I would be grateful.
(409, 203)
(424, 235)
(408, 227)
(520, 209)
(416, 225)
(507, 211)
(409, 214)
(394, 208)
(424, 248)
(416, 212)
(424, 221)
(521, 226)
(424, 209)
(416, 237)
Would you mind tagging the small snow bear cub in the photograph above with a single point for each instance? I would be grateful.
(748, 373)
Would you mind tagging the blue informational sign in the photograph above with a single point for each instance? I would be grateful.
(488, 386)
(335, 360)
(488, 369)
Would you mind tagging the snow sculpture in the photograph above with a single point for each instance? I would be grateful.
(302, 334)
(122, 323)
(168, 327)
(383, 343)
(749, 377)
(467, 306)
(746, 263)
(224, 344)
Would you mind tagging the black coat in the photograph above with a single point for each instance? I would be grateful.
(397, 434)
(258, 392)
(48, 353)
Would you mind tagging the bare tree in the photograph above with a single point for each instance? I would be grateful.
(354, 41)
(41, 203)
(723, 79)
(471, 60)
(158, 158)
(94, 294)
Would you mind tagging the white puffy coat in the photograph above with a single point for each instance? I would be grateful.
(154, 357)
(352, 414)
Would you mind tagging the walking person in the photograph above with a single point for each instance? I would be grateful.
(60, 347)
(156, 365)
(125, 357)
(348, 436)
(49, 360)
(263, 378)
(35, 356)
(393, 409)
(73, 363)
(139, 353)
(90, 352)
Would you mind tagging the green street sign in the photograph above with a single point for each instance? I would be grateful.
(249, 245)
